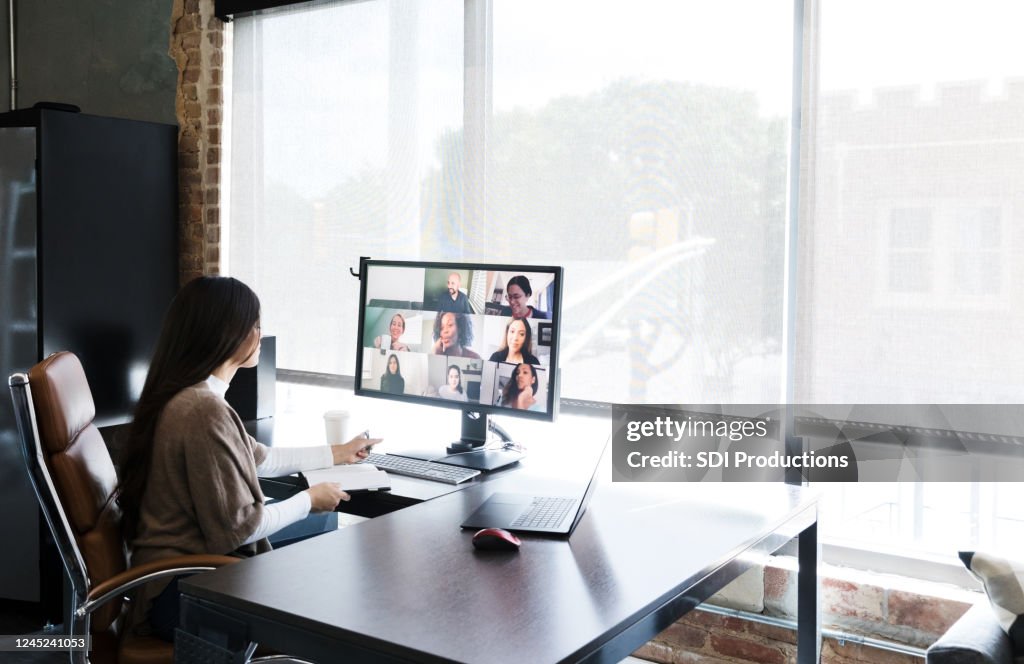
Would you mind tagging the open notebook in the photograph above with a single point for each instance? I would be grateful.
(352, 478)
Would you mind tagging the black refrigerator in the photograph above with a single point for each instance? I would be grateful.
(88, 263)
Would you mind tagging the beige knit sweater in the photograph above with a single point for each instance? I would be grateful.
(202, 495)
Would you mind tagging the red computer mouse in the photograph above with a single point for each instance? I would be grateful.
(495, 539)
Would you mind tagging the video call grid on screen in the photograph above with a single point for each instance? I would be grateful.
(443, 334)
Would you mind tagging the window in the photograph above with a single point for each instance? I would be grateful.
(645, 146)
(907, 277)
(654, 172)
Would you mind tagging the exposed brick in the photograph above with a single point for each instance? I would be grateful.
(833, 652)
(709, 620)
(679, 634)
(186, 24)
(190, 246)
(194, 214)
(192, 195)
(749, 651)
(781, 634)
(188, 142)
(851, 600)
(199, 105)
(188, 161)
(776, 582)
(652, 651)
(923, 613)
(190, 177)
(190, 40)
(213, 175)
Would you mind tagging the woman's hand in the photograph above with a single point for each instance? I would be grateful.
(354, 450)
(325, 496)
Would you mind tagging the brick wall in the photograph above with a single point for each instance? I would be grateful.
(881, 607)
(197, 43)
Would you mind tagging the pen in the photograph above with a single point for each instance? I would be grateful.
(368, 448)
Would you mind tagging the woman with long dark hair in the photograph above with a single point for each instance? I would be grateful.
(517, 344)
(453, 389)
(391, 381)
(520, 389)
(188, 477)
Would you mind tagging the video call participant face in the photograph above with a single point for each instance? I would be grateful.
(449, 329)
(454, 281)
(519, 292)
(454, 378)
(392, 365)
(397, 327)
(526, 378)
(515, 336)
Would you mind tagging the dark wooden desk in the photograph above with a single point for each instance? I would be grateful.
(408, 586)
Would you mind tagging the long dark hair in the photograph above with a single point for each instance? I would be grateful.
(527, 348)
(398, 366)
(511, 391)
(206, 325)
(458, 371)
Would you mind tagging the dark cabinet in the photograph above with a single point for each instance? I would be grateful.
(88, 263)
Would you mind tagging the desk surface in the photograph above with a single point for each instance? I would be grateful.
(409, 585)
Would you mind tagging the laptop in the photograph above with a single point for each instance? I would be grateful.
(527, 513)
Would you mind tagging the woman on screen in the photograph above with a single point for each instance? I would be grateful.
(189, 474)
(517, 345)
(395, 330)
(392, 381)
(519, 291)
(452, 335)
(453, 390)
(521, 388)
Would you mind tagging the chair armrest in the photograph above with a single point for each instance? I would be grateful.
(976, 638)
(118, 584)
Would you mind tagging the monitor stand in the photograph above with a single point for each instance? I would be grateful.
(469, 450)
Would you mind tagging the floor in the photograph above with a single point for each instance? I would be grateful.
(22, 618)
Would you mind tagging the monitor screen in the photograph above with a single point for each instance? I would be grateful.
(475, 337)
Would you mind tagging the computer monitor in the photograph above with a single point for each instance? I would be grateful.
(478, 338)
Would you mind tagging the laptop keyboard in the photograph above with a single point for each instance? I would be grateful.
(427, 470)
(544, 513)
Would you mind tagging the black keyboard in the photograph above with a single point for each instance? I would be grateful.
(427, 470)
(544, 512)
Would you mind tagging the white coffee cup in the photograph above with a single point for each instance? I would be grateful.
(336, 426)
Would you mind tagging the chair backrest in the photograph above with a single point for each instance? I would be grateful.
(72, 473)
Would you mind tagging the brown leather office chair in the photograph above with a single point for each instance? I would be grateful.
(74, 480)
